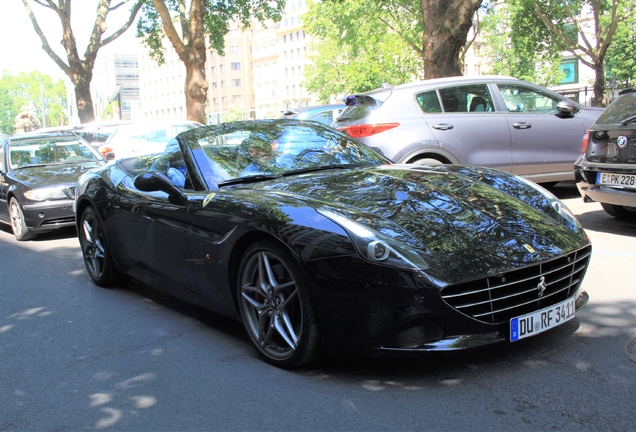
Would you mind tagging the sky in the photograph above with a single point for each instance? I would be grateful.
(21, 48)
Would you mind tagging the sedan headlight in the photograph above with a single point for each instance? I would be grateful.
(377, 247)
(46, 193)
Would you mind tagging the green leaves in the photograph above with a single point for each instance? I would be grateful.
(355, 50)
(25, 90)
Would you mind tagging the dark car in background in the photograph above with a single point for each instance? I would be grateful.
(606, 170)
(38, 176)
(318, 244)
(491, 121)
(325, 114)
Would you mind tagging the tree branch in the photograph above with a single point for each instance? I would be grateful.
(45, 43)
(126, 26)
(169, 29)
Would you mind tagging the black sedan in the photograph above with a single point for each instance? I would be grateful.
(606, 170)
(38, 175)
(320, 245)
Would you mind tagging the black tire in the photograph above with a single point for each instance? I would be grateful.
(276, 308)
(97, 257)
(620, 212)
(18, 225)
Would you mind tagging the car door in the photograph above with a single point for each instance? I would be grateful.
(544, 142)
(154, 230)
(465, 123)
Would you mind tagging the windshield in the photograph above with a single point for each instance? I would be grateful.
(50, 150)
(619, 110)
(278, 147)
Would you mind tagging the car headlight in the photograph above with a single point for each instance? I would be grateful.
(377, 247)
(563, 211)
(46, 193)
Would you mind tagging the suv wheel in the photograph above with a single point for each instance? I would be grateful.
(620, 212)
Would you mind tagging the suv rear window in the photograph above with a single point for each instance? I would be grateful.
(619, 110)
(470, 98)
(358, 107)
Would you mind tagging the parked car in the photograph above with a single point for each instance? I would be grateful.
(143, 138)
(38, 175)
(97, 133)
(606, 169)
(490, 121)
(325, 114)
(328, 247)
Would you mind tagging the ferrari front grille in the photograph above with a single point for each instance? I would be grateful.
(498, 298)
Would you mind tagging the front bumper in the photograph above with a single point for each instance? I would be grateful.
(586, 174)
(48, 215)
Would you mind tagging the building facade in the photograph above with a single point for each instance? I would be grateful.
(162, 87)
(116, 79)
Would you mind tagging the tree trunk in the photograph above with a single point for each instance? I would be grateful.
(446, 26)
(196, 88)
(82, 83)
(599, 84)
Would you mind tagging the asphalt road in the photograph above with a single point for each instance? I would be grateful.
(77, 357)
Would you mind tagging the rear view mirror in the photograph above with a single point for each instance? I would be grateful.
(565, 107)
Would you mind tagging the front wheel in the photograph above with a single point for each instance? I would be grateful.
(276, 308)
(97, 257)
(618, 211)
(18, 225)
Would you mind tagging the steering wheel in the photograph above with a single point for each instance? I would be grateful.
(308, 152)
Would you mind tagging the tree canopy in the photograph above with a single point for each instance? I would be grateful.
(32, 90)
(79, 67)
(360, 45)
(350, 54)
(189, 30)
(583, 28)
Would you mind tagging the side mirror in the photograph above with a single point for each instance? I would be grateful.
(565, 107)
(155, 181)
(109, 156)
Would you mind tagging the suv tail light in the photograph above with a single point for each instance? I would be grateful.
(365, 130)
(586, 141)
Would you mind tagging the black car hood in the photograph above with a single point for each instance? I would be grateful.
(459, 214)
(52, 174)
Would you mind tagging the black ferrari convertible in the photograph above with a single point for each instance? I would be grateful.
(318, 244)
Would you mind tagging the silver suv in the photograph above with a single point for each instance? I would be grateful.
(492, 121)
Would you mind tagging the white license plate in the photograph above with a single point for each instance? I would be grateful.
(542, 320)
(625, 180)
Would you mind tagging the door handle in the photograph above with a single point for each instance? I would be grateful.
(443, 126)
(521, 125)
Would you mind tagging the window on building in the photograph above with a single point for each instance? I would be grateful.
(213, 70)
(235, 65)
(215, 84)
(284, 38)
(223, 84)
(215, 101)
(291, 37)
(222, 68)
(234, 49)
(224, 99)
(236, 98)
(234, 34)
(236, 82)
